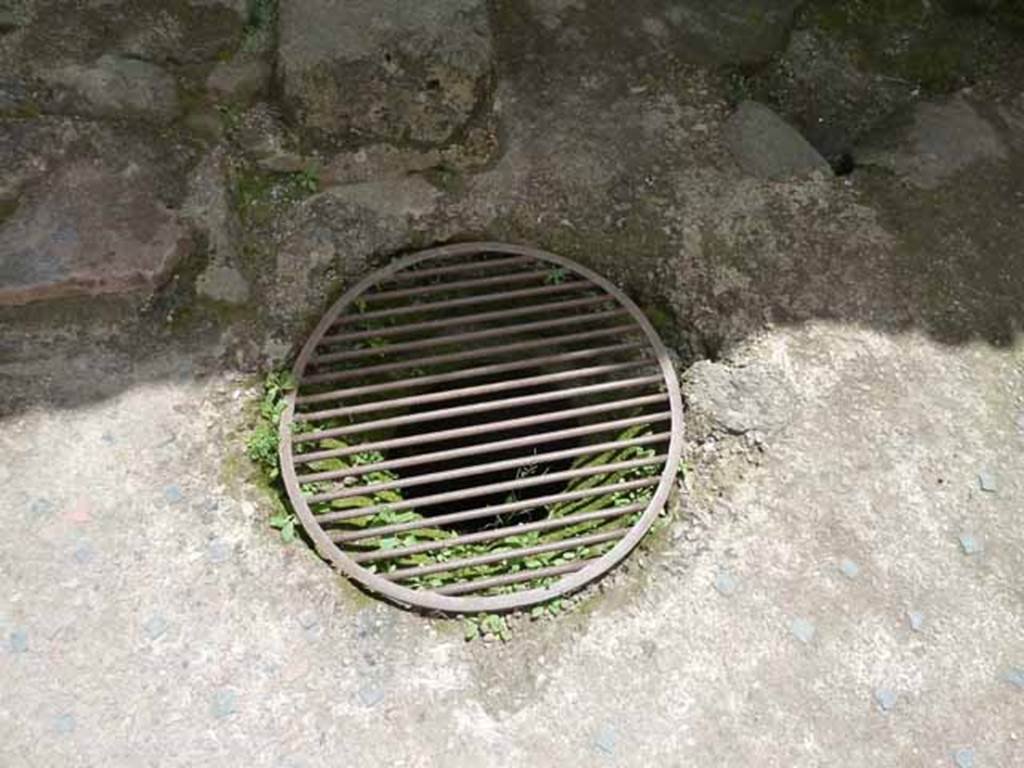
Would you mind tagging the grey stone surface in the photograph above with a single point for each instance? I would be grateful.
(934, 143)
(964, 757)
(730, 31)
(115, 86)
(239, 80)
(766, 146)
(384, 70)
(224, 284)
(755, 398)
(90, 217)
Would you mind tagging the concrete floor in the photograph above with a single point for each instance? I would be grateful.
(813, 601)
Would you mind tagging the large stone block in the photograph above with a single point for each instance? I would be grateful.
(384, 70)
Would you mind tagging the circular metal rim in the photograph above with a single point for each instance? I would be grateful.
(514, 600)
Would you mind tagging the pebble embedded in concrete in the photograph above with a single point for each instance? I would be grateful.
(848, 568)
(916, 620)
(18, 641)
(225, 703)
(987, 481)
(885, 698)
(969, 544)
(605, 739)
(725, 584)
(802, 629)
(964, 757)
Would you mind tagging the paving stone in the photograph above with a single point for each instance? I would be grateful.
(885, 698)
(970, 545)
(725, 583)
(964, 758)
(115, 86)
(344, 72)
(848, 568)
(225, 703)
(939, 140)
(802, 629)
(766, 146)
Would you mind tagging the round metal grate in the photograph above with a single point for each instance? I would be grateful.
(480, 427)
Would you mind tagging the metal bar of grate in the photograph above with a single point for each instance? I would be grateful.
(452, 357)
(470, 373)
(531, 458)
(480, 317)
(521, 553)
(490, 426)
(514, 578)
(458, 394)
(477, 469)
(485, 298)
(497, 509)
(459, 338)
(478, 490)
(484, 407)
(493, 535)
(510, 277)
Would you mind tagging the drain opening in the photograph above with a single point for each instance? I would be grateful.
(480, 427)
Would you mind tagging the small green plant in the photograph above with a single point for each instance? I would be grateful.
(308, 180)
(487, 625)
(555, 276)
(262, 445)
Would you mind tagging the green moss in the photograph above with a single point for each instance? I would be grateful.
(7, 208)
(260, 195)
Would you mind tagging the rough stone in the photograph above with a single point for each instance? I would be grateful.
(223, 283)
(739, 399)
(238, 81)
(766, 146)
(848, 568)
(934, 143)
(384, 71)
(86, 221)
(335, 231)
(730, 31)
(964, 757)
(115, 86)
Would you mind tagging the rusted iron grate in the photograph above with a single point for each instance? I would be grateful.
(480, 427)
